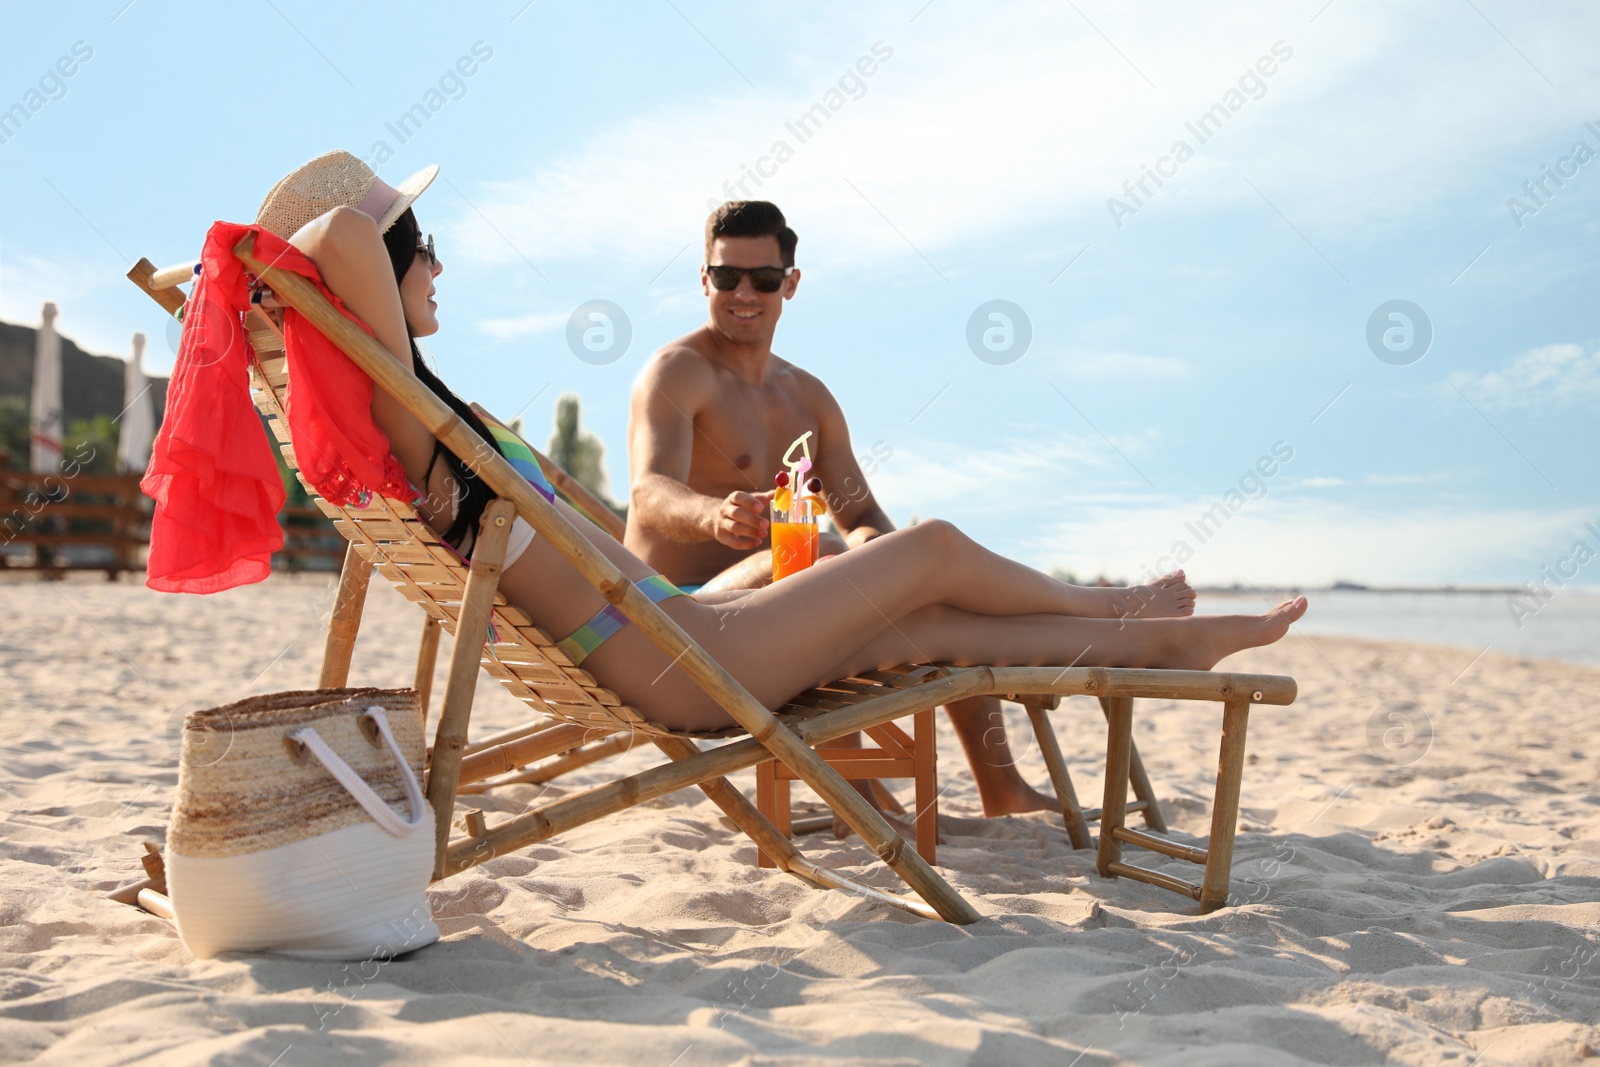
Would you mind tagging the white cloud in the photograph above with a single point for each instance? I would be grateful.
(1072, 503)
(1306, 540)
(1122, 365)
(916, 166)
(77, 287)
(1328, 482)
(939, 478)
(678, 304)
(926, 476)
(1551, 374)
(524, 325)
(1401, 479)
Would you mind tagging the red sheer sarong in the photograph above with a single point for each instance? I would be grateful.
(212, 473)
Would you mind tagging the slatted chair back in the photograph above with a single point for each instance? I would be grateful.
(395, 539)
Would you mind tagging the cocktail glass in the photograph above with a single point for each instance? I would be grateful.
(794, 547)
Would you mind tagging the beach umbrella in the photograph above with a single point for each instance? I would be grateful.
(45, 414)
(138, 415)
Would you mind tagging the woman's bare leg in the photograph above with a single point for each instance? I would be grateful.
(776, 654)
(866, 609)
(935, 563)
(951, 635)
(827, 613)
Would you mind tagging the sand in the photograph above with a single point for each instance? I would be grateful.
(1419, 858)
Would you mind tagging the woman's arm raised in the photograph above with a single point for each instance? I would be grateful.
(348, 250)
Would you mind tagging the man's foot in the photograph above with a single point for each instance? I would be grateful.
(980, 726)
(1014, 799)
(1168, 597)
(1211, 638)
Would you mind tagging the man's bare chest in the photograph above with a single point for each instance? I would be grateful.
(740, 439)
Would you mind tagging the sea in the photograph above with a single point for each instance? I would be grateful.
(1566, 627)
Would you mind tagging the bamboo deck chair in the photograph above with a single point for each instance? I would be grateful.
(527, 661)
(897, 754)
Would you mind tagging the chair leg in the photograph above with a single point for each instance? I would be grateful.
(346, 620)
(427, 656)
(864, 819)
(926, 759)
(768, 838)
(472, 629)
(1142, 789)
(1225, 807)
(773, 805)
(1056, 764)
(785, 816)
(773, 785)
(1114, 810)
(565, 763)
(886, 800)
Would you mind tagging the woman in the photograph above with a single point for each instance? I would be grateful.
(923, 594)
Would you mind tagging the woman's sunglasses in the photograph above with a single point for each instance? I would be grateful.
(762, 279)
(426, 249)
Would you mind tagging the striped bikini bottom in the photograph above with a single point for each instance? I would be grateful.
(608, 620)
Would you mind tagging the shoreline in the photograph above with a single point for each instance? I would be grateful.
(1463, 590)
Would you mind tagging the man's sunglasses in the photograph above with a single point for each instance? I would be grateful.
(426, 249)
(762, 279)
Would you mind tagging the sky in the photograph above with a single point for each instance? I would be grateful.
(1345, 329)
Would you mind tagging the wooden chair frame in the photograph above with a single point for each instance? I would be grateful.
(898, 755)
(1077, 818)
(407, 553)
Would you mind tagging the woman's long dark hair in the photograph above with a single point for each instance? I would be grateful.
(401, 241)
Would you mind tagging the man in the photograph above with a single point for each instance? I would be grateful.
(712, 415)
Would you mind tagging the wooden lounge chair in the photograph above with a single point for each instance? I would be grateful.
(523, 658)
(897, 755)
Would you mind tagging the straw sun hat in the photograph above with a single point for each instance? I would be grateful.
(338, 179)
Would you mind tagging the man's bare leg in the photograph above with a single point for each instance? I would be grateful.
(980, 726)
(755, 570)
(752, 572)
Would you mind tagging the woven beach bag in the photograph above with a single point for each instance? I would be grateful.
(300, 827)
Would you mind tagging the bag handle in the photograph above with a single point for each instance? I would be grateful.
(363, 793)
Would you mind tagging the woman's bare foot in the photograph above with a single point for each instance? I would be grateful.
(1168, 597)
(1210, 638)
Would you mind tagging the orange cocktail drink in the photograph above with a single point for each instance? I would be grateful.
(794, 547)
(796, 503)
